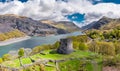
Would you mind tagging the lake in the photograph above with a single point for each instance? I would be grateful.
(35, 41)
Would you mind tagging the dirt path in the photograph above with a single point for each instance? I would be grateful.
(110, 69)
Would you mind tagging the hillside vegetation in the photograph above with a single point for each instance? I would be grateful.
(11, 34)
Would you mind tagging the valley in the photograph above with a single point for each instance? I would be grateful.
(97, 48)
(59, 35)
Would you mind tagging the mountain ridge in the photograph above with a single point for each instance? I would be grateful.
(9, 22)
(104, 21)
(66, 25)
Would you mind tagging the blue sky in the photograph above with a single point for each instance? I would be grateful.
(80, 17)
(94, 1)
(74, 10)
(107, 1)
(12, 0)
(76, 17)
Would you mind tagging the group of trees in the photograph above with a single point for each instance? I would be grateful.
(106, 43)
(38, 49)
(101, 46)
(79, 42)
(104, 34)
(7, 57)
(104, 48)
(11, 34)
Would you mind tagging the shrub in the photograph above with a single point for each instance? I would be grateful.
(76, 45)
(36, 49)
(81, 38)
(83, 46)
(111, 60)
(106, 48)
(6, 57)
(21, 52)
(56, 45)
(93, 47)
(117, 47)
(1, 60)
(94, 34)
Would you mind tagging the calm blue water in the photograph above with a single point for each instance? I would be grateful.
(35, 41)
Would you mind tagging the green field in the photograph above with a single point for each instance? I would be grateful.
(79, 58)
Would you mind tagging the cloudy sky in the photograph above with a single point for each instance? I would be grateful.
(79, 11)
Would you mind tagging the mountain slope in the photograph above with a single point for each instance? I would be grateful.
(100, 23)
(65, 25)
(27, 25)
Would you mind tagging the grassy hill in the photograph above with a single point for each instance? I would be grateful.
(78, 60)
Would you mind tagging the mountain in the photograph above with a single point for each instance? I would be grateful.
(104, 21)
(66, 25)
(27, 25)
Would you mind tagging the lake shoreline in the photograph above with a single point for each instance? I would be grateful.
(13, 40)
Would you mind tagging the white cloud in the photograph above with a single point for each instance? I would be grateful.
(56, 10)
(74, 17)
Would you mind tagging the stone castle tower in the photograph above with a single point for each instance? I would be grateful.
(66, 46)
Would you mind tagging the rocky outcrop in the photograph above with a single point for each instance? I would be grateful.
(66, 46)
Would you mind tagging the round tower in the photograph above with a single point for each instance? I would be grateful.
(66, 46)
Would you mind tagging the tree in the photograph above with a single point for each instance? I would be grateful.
(56, 45)
(37, 49)
(76, 45)
(106, 48)
(6, 57)
(93, 46)
(83, 46)
(1, 60)
(21, 54)
(94, 34)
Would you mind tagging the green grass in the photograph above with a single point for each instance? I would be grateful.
(71, 65)
(55, 56)
(64, 66)
(26, 61)
(16, 63)
(79, 65)
(50, 68)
